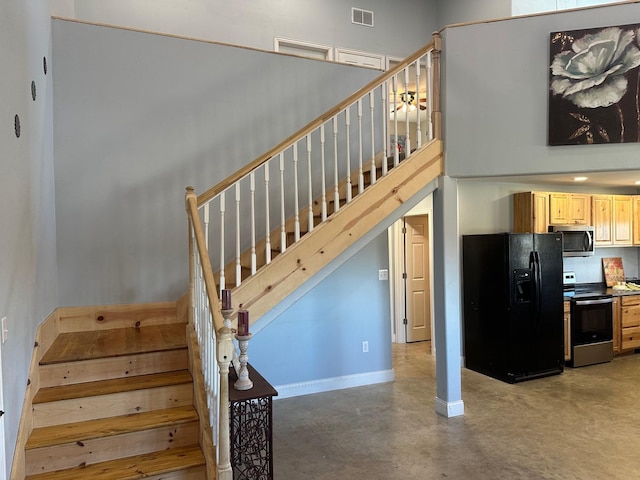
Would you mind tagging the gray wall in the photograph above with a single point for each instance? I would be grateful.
(27, 237)
(459, 11)
(321, 335)
(401, 26)
(138, 118)
(495, 106)
(495, 100)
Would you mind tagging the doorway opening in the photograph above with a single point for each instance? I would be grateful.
(411, 253)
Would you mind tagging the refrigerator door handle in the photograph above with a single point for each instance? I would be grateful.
(537, 279)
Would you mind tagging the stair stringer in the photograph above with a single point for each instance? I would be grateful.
(276, 287)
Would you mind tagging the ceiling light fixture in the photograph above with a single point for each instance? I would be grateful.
(637, 182)
(580, 179)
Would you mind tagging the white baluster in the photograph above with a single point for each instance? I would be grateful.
(373, 143)
(324, 186)
(252, 189)
(336, 173)
(283, 220)
(429, 97)
(267, 242)
(205, 214)
(309, 180)
(396, 152)
(238, 264)
(407, 143)
(360, 172)
(385, 120)
(222, 211)
(418, 127)
(347, 121)
(296, 208)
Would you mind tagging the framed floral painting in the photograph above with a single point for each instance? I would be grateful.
(594, 86)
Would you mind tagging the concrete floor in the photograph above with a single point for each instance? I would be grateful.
(583, 424)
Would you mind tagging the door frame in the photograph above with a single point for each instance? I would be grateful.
(396, 262)
(3, 459)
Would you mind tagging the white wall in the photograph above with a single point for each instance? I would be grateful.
(401, 26)
(28, 291)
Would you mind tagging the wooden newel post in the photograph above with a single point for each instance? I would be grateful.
(436, 114)
(225, 355)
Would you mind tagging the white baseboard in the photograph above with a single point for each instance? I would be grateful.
(449, 409)
(335, 383)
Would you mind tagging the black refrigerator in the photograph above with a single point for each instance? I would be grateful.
(513, 305)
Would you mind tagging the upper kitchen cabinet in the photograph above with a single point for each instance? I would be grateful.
(531, 212)
(622, 220)
(569, 209)
(636, 219)
(602, 216)
(612, 219)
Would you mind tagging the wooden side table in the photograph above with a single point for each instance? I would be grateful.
(251, 428)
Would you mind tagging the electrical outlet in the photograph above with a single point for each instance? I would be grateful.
(365, 347)
(3, 327)
(383, 274)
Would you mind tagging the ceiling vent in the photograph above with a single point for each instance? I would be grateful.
(362, 17)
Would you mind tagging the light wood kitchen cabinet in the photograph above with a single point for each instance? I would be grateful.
(630, 322)
(602, 216)
(567, 331)
(616, 324)
(569, 208)
(622, 220)
(531, 212)
(636, 219)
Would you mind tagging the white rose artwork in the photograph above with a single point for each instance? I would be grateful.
(591, 72)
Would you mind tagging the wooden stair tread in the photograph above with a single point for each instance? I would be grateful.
(116, 385)
(131, 468)
(104, 427)
(76, 346)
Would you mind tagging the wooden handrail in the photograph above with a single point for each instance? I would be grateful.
(300, 134)
(212, 294)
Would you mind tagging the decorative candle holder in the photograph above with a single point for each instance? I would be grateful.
(243, 382)
(226, 314)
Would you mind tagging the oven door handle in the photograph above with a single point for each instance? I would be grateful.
(600, 301)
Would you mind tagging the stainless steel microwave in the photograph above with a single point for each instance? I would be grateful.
(577, 240)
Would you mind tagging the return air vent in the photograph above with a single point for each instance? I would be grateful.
(362, 17)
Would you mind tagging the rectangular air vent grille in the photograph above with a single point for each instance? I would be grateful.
(362, 17)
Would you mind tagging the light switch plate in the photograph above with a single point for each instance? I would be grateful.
(383, 274)
(3, 327)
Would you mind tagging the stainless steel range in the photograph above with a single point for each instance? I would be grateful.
(591, 322)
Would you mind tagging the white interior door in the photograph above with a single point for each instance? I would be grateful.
(417, 275)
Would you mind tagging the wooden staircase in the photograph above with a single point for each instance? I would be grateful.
(343, 228)
(115, 399)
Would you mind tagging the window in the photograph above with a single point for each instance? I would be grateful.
(527, 7)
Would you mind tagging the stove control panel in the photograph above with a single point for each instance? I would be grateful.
(568, 278)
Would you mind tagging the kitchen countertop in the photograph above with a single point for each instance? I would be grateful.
(611, 291)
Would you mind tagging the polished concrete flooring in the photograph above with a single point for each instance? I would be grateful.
(583, 424)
